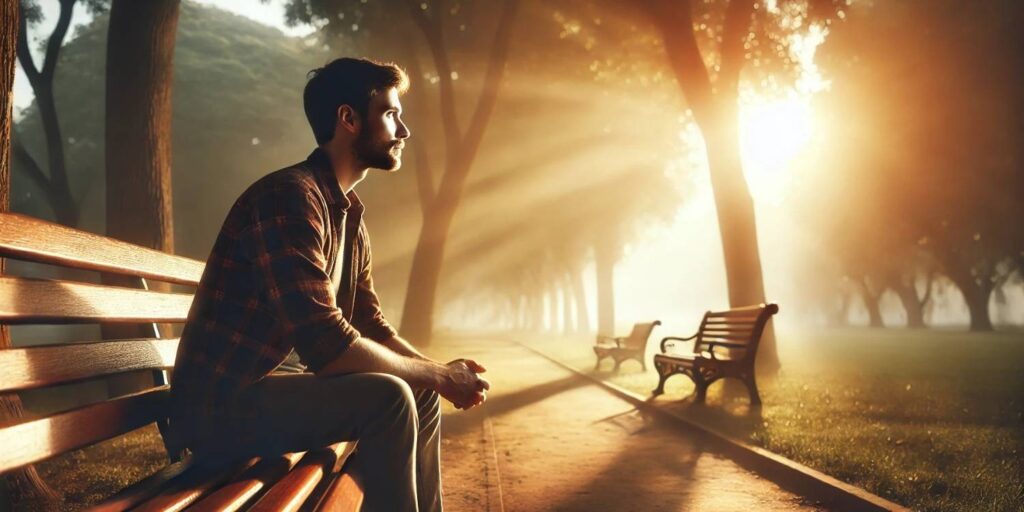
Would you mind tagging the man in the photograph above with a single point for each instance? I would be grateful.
(288, 286)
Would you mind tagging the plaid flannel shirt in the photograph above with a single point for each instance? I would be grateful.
(267, 289)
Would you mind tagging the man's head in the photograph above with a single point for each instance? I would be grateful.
(355, 103)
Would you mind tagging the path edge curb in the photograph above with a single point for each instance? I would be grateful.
(772, 466)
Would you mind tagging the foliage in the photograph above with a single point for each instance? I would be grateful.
(237, 115)
(926, 116)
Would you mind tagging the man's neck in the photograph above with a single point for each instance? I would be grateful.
(346, 168)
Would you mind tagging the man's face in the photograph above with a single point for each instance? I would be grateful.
(382, 136)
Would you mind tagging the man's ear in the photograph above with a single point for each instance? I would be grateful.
(348, 119)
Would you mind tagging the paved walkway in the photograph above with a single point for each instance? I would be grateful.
(548, 439)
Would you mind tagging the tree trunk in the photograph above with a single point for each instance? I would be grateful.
(582, 316)
(714, 107)
(425, 274)
(567, 299)
(56, 188)
(976, 296)
(605, 256)
(871, 304)
(24, 486)
(140, 53)
(553, 308)
(911, 304)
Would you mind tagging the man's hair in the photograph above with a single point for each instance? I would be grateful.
(346, 81)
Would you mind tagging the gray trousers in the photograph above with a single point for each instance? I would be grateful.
(397, 463)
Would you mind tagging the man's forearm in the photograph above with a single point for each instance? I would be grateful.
(401, 346)
(366, 356)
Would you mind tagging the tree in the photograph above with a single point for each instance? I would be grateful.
(745, 31)
(140, 51)
(55, 186)
(23, 485)
(926, 92)
(236, 116)
(440, 194)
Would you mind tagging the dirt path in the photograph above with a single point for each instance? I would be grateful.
(550, 440)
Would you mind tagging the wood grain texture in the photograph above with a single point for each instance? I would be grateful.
(26, 238)
(35, 440)
(143, 489)
(344, 495)
(45, 301)
(289, 494)
(188, 488)
(236, 494)
(35, 367)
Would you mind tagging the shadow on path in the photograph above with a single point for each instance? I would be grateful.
(459, 424)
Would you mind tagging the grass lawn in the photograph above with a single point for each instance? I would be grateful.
(930, 419)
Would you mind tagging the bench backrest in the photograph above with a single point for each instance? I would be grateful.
(56, 301)
(736, 333)
(638, 336)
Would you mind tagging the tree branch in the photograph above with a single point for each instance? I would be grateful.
(24, 55)
(675, 22)
(432, 32)
(57, 38)
(737, 29)
(424, 171)
(35, 173)
(492, 79)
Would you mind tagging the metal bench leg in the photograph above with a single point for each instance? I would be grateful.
(702, 387)
(755, 397)
(662, 377)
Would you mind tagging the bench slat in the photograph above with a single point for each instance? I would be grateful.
(189, 487)
(743, 311)
(344, 495)
(248, 485)
(143, 489)
(291, 492)
(46, 301)
(36, 440)
(705, 338)
(26, 238)
(35, 367)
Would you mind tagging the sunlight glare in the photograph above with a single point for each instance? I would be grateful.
(772, 134)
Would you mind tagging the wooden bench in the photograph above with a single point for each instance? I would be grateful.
(295, 480)
(624, 348)
(725, 346)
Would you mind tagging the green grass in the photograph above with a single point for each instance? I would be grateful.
(930, 419)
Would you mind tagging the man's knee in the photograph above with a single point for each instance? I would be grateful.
(392, 394)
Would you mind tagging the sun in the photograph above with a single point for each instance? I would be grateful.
(773, 132)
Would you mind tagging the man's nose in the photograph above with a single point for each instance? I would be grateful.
(403, 131)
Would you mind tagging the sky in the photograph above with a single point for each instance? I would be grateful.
(269, 13)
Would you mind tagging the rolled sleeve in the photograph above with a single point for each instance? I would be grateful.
(286, 243)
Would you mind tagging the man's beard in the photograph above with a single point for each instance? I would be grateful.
(376, 154)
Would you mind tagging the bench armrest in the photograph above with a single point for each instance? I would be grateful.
(673, 338)
(619, 340)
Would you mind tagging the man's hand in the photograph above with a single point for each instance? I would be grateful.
(462, 386)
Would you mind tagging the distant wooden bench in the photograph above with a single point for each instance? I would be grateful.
(295, 480)
(625, 348)
(725, 346)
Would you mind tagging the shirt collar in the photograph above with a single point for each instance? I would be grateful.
(318, 161)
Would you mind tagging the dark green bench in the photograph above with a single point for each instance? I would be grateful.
(309, 480)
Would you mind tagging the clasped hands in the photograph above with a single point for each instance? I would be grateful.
(463, 386)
